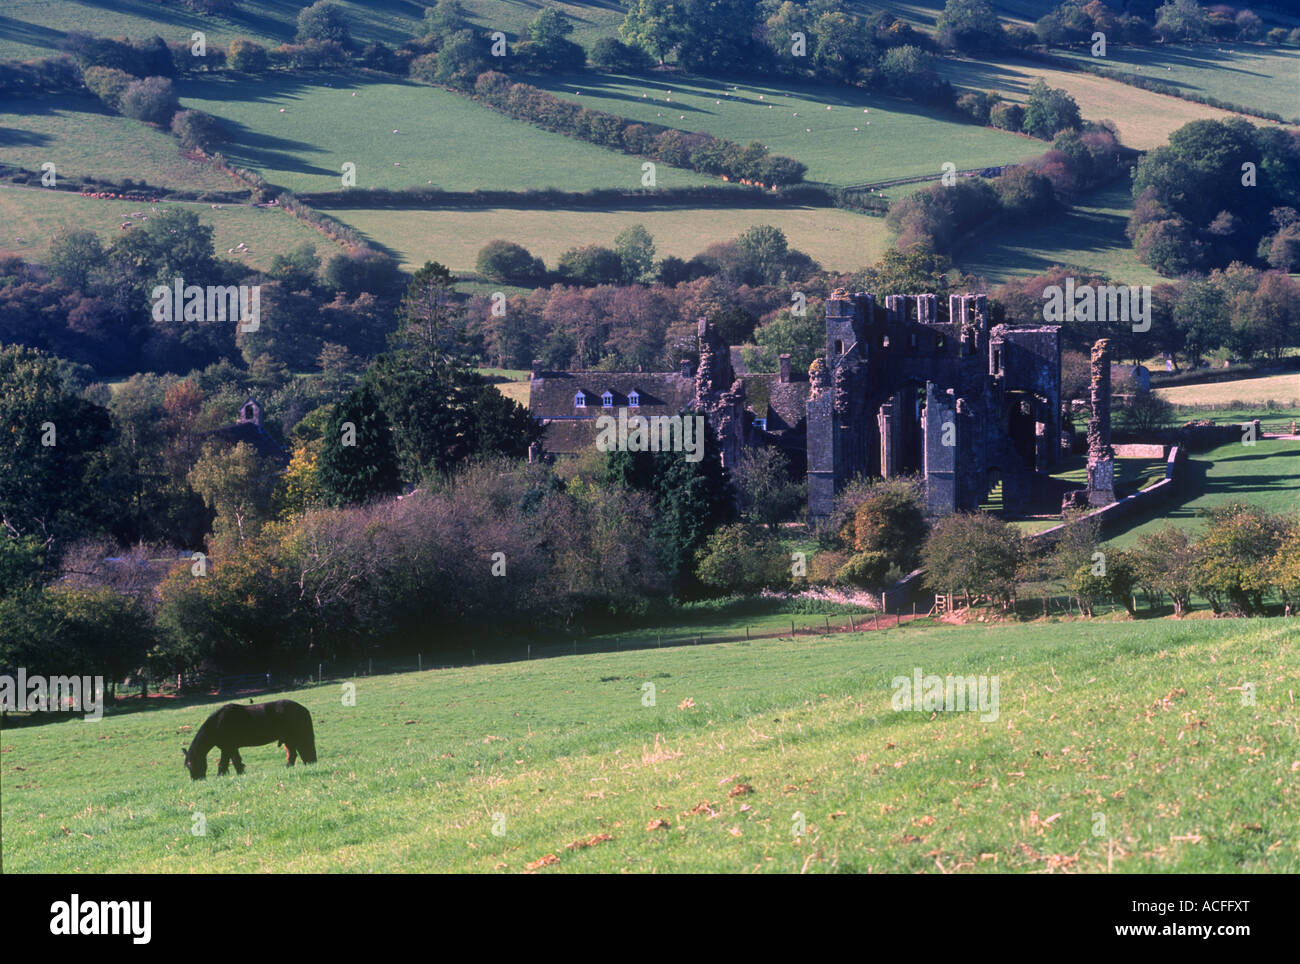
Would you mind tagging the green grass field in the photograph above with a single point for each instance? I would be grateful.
(1265, 474)
(1144, 119)
(773, 756)
(82, 139)
(1248, 75)
(298, 132)
(1089, 236)
(842, 145)
(838, 239)
(30, 218)
(33, 28)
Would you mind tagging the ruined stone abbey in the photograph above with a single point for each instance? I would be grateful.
(899, 389)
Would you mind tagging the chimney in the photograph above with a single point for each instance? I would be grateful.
(785, 368)
(537, 368)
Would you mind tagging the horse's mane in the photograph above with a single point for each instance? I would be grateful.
(204, 740)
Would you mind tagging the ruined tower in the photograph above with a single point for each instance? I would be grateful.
(1101, 457)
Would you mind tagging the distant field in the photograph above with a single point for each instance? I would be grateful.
(863, 137)
(31, 218)
(924, 13)
(1265, 78)
(33, 28)
(838, 239)
(299, 130)
(1266, 474)
(1144, 119)
(1283, 389)
(1090, 236)
(81, 138)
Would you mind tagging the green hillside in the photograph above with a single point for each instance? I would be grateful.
(298, 130)
(774, 756)
(845, 136)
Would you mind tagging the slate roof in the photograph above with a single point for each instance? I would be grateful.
(662, 393)
(783, 404)
(261, 442)
(569, 429)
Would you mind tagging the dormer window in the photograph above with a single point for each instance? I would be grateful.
(580, 400)
(607, 400)
(634, 400)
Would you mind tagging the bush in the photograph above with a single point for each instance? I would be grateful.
(1145, 414)
(592, 264)
(151, 100)
(510, 263)
(1234, 558)
(890, 522)
(612, 55)
(825, 565)
(1006, 116)
(741, 558)
(323, 21)
(108, 84)
(865, 569)
(974, 554)
(247, 56)
(1049, 110)
(197, 129)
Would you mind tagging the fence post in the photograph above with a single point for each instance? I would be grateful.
(792, 629)
(828, 625)
(877, 617)
(419, 661)
(747, 632)
(320, 672)
(852, 626)
(530, 650)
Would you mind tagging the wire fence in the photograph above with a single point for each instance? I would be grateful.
(333, 671)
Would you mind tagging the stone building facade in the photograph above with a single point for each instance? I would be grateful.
(899, 389)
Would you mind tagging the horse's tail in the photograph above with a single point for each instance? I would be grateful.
(308, 749)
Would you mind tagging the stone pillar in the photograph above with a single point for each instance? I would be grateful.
(939, 423)
(1101, 457)
(888, 450)
(896, 305)
(927, 309)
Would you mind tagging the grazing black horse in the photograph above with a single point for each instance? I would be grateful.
(233, 726)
